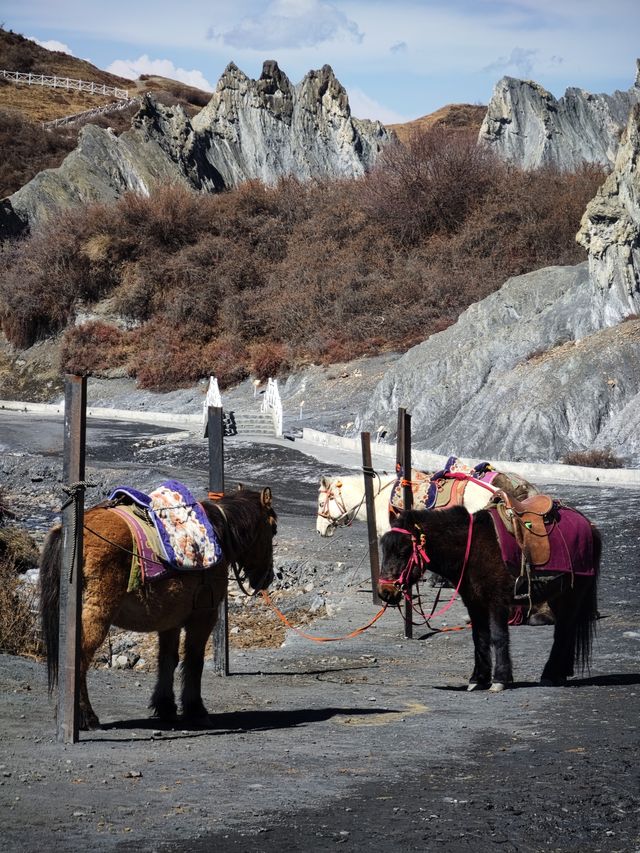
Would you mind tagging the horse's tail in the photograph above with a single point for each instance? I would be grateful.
(588, 609)
(50, 563)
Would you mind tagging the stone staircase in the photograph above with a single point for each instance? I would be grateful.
(250, 422)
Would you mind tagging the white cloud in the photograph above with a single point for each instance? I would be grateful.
(133, 68)
(290, 24)
(52, 44)
(362, 106)
(520, 60)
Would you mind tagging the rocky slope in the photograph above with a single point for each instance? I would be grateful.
(264, 128)
(526, 125)
(545, 365)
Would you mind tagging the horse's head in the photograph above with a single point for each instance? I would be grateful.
(404, 559)
(246, 523)
(333, 511)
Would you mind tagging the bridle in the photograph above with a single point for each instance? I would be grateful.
(420, 559)
(346, 515)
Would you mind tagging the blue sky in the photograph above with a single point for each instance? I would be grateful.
(397, 60)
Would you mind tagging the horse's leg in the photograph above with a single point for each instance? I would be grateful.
(163, 701)
(499, 628)
(95, 627)
(197, 631)
(481, 675)
(561, 660)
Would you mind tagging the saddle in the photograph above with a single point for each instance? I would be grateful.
(526, 520)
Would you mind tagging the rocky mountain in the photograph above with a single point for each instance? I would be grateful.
(547, 364)
(526, 125)
(264, 128)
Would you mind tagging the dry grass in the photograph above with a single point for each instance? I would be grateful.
(594, 459)
(19, 630)
(453, 117)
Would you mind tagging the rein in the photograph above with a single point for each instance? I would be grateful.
(267, 600)
(420, 559)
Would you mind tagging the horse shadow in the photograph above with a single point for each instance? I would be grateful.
(233, 722)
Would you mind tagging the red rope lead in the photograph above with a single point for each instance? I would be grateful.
(267, 600)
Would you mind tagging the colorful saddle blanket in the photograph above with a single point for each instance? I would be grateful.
(570, 542)
(443, 489)
(185, 540)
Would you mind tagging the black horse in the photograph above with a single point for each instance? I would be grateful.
(464, 550)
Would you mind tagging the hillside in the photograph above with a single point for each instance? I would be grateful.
(25, 147)
(452, 116)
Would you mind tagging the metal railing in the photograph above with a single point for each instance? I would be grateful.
(271, 402)
(52, 81)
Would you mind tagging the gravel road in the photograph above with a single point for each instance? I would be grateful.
(370, 743)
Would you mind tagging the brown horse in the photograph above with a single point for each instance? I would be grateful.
(464, 549)
(245, 524)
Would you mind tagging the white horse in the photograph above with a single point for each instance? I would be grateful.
(341, 500)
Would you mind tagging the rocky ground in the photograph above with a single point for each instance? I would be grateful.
(371, 743)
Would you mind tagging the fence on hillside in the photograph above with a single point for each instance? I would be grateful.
(54, 82)
(89, 114)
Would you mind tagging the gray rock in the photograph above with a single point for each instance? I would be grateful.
(526, 125)
(262, 129)
(545, 365)
(610, 227)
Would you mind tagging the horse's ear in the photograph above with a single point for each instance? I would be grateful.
(325, 482)
(265, 498)
(239, 487)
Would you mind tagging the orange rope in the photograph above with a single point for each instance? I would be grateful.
(283, 618)
(215, 496)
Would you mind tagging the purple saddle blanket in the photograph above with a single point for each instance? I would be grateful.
(570, 543)
(187, 539)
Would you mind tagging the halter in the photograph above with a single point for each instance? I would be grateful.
(420, 558)
(336, 496)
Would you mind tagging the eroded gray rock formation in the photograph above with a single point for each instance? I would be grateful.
(268, 128)
(547, 364)
(265, 129)
(526, 125)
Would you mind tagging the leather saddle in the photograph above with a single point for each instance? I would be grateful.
(526, 521)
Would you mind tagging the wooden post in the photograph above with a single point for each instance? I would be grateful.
(403, 459)
(374, 556)
(215, 434)
(75, 420)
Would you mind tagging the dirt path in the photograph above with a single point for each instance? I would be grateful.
(370, 743)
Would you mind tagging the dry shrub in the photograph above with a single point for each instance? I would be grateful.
(26, 148)
(268, 359)
(18, 616)
(329, 270)
(93, 348)
(604, 458)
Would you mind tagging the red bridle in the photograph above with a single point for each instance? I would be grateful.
(420, 558)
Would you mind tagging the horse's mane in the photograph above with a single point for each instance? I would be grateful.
(235, 518)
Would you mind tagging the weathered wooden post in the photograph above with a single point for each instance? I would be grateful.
(75, 421)
(368, 472)
(215, 434)
(403, 460)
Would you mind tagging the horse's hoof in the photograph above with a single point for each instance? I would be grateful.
(165, 710)
(553, 682)
(497, 687)
(88, 722)
(476, 685)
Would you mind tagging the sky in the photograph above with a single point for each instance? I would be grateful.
(398, 60)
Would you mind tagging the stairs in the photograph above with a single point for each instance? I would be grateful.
(248, 422)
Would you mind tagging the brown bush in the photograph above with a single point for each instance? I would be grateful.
(263, 277)
(268, 359)
(26, 148)
(594, 459)
(93, 348)
(18, 616)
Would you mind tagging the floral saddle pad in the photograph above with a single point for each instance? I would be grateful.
(186, 539)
